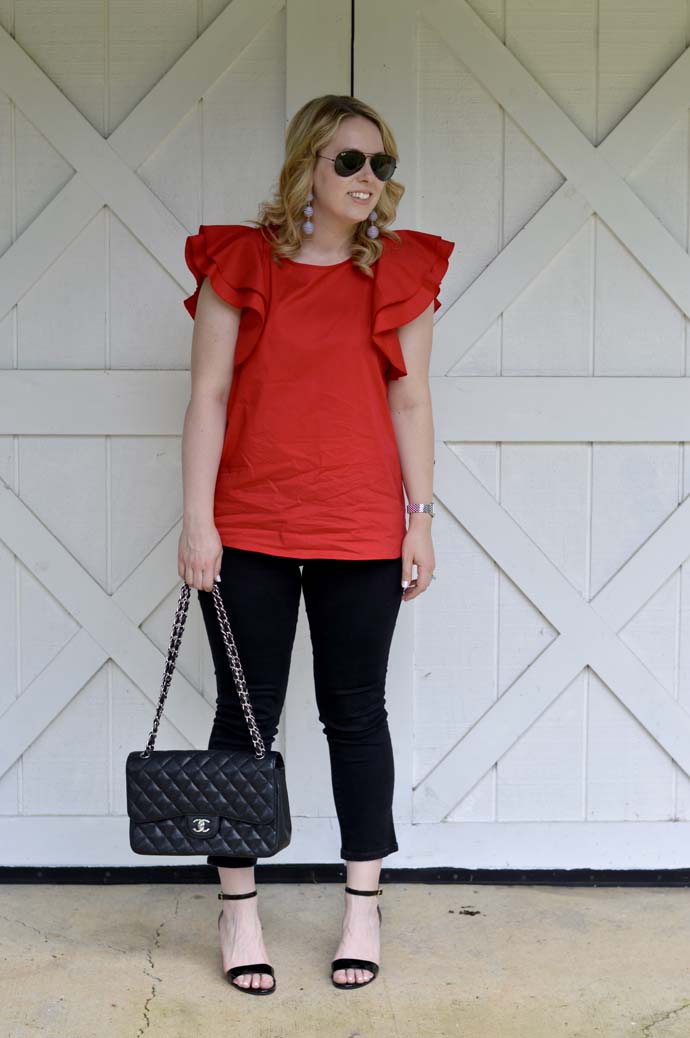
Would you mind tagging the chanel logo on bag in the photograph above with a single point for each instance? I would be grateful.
(202, 826)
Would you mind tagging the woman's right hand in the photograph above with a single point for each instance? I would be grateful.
(199, 556)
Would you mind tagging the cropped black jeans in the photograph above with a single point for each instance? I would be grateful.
(352, 607)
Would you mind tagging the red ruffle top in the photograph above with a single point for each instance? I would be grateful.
(310, 465)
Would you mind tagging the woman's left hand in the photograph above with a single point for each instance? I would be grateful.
(417, 549)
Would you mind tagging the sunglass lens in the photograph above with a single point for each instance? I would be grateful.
(383, 166)
(349, 162)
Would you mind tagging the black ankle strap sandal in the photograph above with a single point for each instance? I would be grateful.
(250, 967)
(362, 964)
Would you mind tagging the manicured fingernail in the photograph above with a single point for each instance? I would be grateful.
(217, 579)
(405, 583)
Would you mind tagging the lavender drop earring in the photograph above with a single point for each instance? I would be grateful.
(308, 226)
(372, 229)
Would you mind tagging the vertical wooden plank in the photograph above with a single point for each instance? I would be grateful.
(9, 635)
(65, 770)
(317, 51)
(634, 487)
(67, 40)
(638, 331)
(546, 486)
(681, 807)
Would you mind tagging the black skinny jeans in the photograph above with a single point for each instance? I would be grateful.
(352, 607)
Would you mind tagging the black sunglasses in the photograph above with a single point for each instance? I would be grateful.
(348, 162)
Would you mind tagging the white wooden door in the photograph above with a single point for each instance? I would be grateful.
(114, 145)
(548, 722)
(539, 693)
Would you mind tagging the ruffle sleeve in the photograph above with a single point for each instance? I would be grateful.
(232, 256)
(408, 277)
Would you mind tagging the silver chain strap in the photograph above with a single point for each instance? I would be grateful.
(233, 658)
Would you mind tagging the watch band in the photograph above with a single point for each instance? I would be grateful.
(416, 507)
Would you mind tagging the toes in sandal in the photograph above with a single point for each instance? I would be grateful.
(360, 964)
(252, 967)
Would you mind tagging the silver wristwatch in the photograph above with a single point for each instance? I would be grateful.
(421, 508)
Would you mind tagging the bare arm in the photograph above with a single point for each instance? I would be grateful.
(409, 399)
(216, 325)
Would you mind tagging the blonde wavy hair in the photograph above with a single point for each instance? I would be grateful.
(310, 130)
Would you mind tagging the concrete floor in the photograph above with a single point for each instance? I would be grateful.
(143, 961)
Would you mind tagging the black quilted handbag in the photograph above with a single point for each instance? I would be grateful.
(228, 802)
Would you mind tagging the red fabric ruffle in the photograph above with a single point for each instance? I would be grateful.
(232, 257)
(408, 275)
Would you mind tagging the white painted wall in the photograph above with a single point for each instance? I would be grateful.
(539, 692)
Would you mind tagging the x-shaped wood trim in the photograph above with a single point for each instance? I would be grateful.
(105, 168)
(588, 636)
(109, 630)
(595, 180)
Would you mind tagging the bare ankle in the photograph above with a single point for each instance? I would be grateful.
(237, 881)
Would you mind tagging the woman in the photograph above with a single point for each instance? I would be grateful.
(312, 342)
